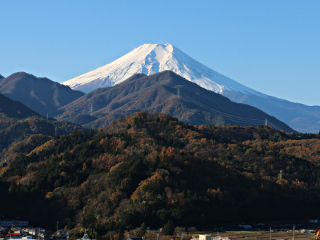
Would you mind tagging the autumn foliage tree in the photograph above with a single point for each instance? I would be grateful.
(155, 170)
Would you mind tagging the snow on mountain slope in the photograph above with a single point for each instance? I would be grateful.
(154, 58)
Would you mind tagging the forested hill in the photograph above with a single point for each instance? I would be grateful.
(153, 169)
(18, 122)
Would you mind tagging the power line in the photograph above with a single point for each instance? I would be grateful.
(223, 113)
(249, 121)
(274, 126)
(226, 115)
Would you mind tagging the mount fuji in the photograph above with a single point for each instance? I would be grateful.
(153, 58)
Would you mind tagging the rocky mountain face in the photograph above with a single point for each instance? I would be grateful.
(164, 92)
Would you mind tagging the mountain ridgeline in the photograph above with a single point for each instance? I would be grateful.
(152, 169)
(40, 94)
(164, 92)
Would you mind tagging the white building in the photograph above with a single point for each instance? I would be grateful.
(208, 237)
(204, 237)
(35, 231)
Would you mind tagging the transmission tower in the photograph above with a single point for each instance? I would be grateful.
(178, 87)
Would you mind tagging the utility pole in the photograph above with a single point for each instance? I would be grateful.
(57, 226)
(293, 231)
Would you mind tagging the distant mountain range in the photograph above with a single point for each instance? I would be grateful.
(40, 94)
(164, 92)
(154, 58)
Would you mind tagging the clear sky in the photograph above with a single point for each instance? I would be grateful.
(272, 46)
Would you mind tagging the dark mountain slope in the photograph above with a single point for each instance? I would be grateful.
(14, 109)
(301, 117)
(1, 76)
(40, 94)
(159, 93)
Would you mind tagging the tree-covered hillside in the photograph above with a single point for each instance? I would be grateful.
(18, 123)
(153, 169)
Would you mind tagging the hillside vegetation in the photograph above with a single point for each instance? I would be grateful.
(18, 123)
(153, 170)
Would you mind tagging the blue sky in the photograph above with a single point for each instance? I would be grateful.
(272, 46)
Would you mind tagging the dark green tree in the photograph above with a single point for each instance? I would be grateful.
(168, 228)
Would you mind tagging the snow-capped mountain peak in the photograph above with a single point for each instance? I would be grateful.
(154, 58)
